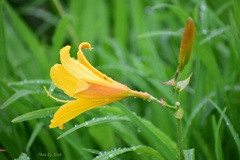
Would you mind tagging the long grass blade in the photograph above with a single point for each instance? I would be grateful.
(144, 150)
(42, 113)
(229, 125)
(157, 142)
(16, 96)
(95, 121)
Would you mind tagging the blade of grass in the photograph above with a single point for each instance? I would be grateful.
(28, 37)
(229, 124)
(3, 60)
(14, 97)
(34, 134)
(139, 149)
(157, 142)
(176, 9)
(94, 122)
(35, 114)
(189, 154)
(217, 139)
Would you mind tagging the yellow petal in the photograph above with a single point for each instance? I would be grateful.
(98, 91)
(72, 109)
(78, 70)
(65, 81)
(84, 61)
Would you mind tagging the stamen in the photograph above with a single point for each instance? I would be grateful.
(56, 99)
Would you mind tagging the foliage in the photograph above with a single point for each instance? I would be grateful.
(135, 42)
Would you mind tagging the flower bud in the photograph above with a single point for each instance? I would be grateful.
(186, 44)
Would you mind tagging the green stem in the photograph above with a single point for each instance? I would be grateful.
(70, 27)
(179, 120)
(160, 102)
(180, 139)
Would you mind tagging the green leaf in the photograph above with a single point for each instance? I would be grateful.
(93, 122)
(23, 156)
(34, 134)
(16, 96)
(30, 82)
(178, 10)
(230, 126)
(28, 37)
(3, 45)
(213, 34)
(189, 154)
(217, 138)
(159, 33)
(35, 114)
(161, 143)
(148, 151)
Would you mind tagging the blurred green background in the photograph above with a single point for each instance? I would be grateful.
(136, 42)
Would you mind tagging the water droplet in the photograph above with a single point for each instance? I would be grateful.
(133, 148)
(227, 123)
(134, 97)
(100, 153)
(76, 125)
(28, 157)
(202, 7)
(110, 155)
(93, 119)
(177, 103)
(204, 31)
(139, 130)
(149, 100)
(86, 123)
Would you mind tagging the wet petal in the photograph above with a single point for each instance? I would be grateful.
(84, 61)
(72, 109)
(65, 81)
(78, 70)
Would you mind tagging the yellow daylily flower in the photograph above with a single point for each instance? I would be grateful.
(90, 88)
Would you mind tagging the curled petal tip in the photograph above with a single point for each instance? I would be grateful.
(85, 45)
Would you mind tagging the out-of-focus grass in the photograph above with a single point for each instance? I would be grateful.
(136, 43)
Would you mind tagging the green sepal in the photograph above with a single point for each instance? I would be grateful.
(183, 84)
